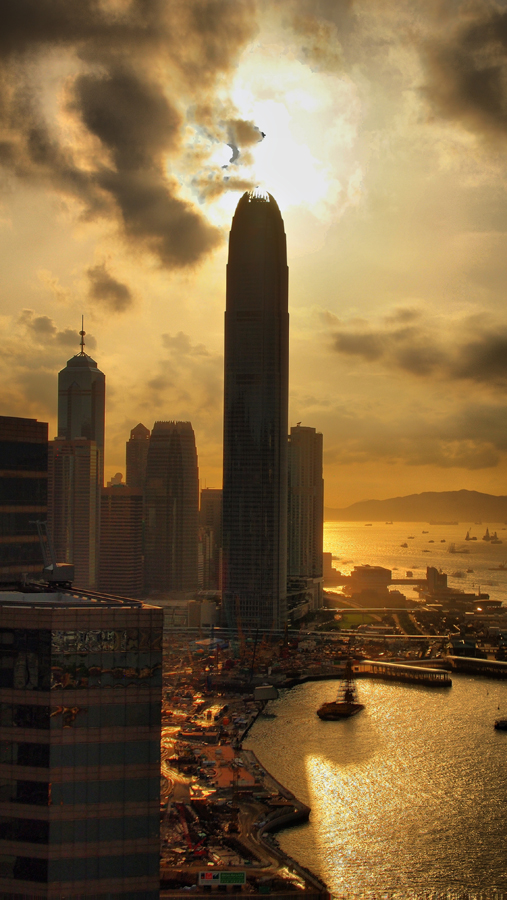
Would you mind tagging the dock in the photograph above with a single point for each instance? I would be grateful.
(370, 668)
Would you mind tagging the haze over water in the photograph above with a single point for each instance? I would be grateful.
(355, 543)
(408, 798)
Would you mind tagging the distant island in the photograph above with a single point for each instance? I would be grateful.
(430, 506)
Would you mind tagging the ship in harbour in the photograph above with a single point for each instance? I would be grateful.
(347, 703)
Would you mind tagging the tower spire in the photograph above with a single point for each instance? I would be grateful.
(82, 333)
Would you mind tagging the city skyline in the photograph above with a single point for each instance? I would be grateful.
(380, 132)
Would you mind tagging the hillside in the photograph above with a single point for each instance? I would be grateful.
(431, 506)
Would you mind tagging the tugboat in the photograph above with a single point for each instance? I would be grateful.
(346, 703)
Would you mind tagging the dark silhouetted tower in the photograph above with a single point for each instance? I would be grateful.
(171, 508)
(137, 455)
(306, 510)
(82, 403)
(121, 541)
(23, 495)
(76, 467)
(255, 416)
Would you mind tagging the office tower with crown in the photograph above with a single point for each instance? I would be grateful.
(80, 700)
(137, 456)
(255, 416)
(23, 496)
(76, 467)
(306, 512)
(171, 508)
(82, 403)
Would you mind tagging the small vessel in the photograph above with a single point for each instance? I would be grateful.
(409, 574)
(403, 545)
(501, 724)
(346, 703)
(487, 536)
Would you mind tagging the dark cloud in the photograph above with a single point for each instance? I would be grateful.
(467, 71)
(107, 291)
(471, 436)
(43, 331)
(427, 351)
(136, 70)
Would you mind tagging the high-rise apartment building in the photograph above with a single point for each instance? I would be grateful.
(171, 508)
(80, 699)
(74, 506)
(23, 496)
(121, 541)
(306, 509)
(255, 416)
(137, 456)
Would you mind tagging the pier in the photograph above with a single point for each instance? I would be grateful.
(491, 668)
(369, 668)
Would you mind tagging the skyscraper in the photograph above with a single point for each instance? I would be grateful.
(76, 467)
(74, 506)
(121, 541)
(210, 517)
(23, 495)
(82, 402)
(255, 416)
(137, 455)
(80, 753)
(306, 510)
(171, 508)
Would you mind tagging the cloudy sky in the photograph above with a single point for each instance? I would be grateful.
(129, 130)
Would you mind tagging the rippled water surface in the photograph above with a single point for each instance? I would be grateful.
(408, 798)
(472, 565)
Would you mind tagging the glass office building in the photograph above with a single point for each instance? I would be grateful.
(23, 496)
(254, 524)
(80, 699)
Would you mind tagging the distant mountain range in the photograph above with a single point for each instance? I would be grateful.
(431, 506)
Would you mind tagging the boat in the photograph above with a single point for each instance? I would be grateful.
(403, 545)
(501, 724)
(487, 536)
(409, 574)
(346, 703)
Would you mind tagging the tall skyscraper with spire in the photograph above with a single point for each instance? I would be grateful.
(255, 416)
(76, 467)
(82, 402)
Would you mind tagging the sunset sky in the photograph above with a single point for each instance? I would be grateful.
(129, 131)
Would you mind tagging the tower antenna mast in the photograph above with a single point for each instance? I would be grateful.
(82, 333)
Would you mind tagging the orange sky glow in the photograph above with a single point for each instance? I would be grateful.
(130, 129)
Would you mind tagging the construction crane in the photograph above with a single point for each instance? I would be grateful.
(61, 574)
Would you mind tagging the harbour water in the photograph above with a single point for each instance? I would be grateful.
(470, 565)
(408, 798)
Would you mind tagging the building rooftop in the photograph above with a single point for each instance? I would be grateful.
(66, 599)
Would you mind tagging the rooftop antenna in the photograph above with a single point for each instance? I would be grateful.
(82, 333)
